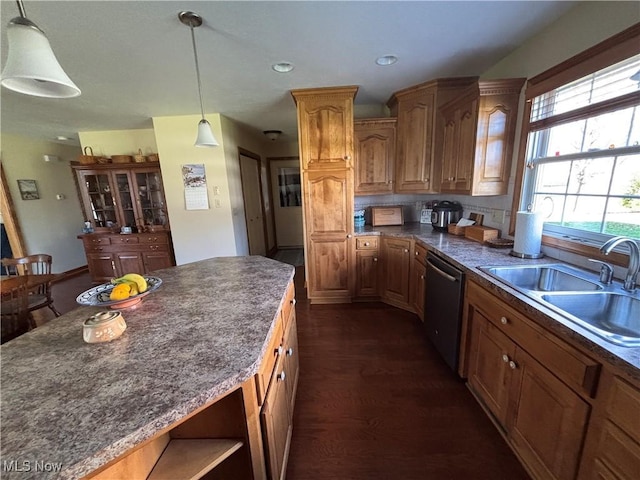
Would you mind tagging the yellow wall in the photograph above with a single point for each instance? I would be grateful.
(197, 234)
(120, 142)
(48, 225)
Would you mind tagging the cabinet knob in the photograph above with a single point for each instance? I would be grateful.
(505, 358)
(289, 351)
(281, 376)
(279, 350)
(417, 253)
(421, 277)
(375, 259)
(504, 320)
(349, 236)
(347, 157)
(366, 244)
(293, 302)
(113, 266)
(406, 250)
(513, 365)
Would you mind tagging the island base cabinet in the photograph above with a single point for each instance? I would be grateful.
(213, 444)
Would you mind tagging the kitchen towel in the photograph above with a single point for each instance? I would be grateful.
(528, 236)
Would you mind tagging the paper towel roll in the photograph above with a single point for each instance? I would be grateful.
(528, 236)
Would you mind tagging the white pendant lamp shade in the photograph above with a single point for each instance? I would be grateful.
(205, 135)
(32, 67)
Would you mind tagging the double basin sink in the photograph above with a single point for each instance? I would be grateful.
(606, 310)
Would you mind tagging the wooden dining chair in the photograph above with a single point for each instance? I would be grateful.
(33, 265)
(15, 318)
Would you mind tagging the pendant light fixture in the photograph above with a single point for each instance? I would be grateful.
(32, 67)
(205, 135)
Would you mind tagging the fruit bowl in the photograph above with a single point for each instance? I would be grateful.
(99, 296)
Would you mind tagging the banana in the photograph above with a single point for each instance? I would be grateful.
(139, 280)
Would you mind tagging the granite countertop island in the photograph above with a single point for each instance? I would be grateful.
(69, 407)
(469, 255)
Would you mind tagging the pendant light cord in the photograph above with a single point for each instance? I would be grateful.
(195, 54)
(23, 14)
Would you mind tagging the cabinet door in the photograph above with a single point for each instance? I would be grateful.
(128, 262)
(126, 206)
(366, 273)
(156, 260)
(148, 192)
(101, 267)
(291, 362)
(548, 420)
(496, 129)
(489, 373)
(459, 145)
(416, 116)
(276, 425)
(325, 121)
(97, 190)
(328, 219)
(375, 145)
(417, 287)
(396, 262)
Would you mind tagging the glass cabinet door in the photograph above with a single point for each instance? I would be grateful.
(129, 217)
(100, 198)
(151, 198)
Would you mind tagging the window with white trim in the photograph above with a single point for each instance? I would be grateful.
(583, 155)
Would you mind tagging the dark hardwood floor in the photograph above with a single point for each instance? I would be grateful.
(375, 401)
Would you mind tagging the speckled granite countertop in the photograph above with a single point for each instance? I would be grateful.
(200, 335)
(468, 255)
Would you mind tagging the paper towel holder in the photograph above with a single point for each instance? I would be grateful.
(529, 256)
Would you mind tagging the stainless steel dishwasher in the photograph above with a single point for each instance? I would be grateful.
(444, 287)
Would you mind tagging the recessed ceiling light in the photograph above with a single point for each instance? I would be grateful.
(62, 138)
(386, 60)
(282, 67)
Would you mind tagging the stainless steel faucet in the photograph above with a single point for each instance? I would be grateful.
(634, 259)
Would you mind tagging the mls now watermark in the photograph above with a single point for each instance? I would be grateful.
(30, 466)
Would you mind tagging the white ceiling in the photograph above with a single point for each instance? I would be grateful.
(133, 60)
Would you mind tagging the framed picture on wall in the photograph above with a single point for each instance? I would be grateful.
(28, 189)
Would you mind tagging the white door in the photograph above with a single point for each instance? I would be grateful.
(253, 208)
(287, 202)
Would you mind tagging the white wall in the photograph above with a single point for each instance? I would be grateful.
(197, 234)
(48, 225)
(119, 142)
(238, 136)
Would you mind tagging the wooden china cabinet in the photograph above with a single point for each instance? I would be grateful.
(124, 195)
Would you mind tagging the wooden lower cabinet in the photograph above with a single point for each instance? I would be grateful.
(366, 266)
(277, 412)
(113, 255)
(417, 281)
(536, 388)
(612, 449)
(396, 263)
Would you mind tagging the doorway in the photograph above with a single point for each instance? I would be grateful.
(254, 212)
(287, 202)
(9, 219)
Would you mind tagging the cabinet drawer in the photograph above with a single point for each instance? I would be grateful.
(153, 238)
(618, 452)
(420, 254)
(569, 364)
(366, 243)
(125, 240)
(266, 370)
(97, 240)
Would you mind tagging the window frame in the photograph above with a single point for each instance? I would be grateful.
(612, 50)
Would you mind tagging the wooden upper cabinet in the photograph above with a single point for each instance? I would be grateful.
(375, 148)
(325, 126)
(478, 135)
(419, 130)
